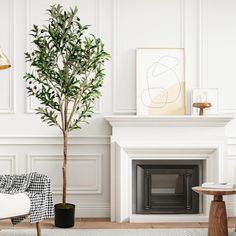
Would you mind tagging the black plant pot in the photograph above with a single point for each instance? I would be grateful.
(64, 215)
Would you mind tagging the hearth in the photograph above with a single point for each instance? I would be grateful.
(163, 189)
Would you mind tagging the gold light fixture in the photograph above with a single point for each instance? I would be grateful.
(4, 61)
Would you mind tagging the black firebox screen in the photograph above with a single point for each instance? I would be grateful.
(163, 189)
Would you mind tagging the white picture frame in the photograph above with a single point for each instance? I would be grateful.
(209, 95)
(160, 81)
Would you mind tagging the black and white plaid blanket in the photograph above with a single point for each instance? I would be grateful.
(37, 187)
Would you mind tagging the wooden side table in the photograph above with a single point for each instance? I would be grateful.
(218, 224)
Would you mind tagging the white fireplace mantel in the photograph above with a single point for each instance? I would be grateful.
(168, 121)
(163, 138)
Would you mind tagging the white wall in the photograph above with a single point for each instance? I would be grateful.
(205, 28)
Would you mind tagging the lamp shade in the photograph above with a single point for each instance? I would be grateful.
(4, 61)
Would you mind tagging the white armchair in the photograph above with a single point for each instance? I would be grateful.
(26, 194)
(14, 205)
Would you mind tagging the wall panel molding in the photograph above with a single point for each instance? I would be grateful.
(231, 148)
(116, 109)
(12, 160)
(10, 72)
(94, 159)
(93, 210)
(115, 65)
(183, 23)
(204, 53)
(30, 109)
(55, 140)
(200, 45)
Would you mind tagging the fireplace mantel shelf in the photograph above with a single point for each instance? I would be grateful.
(168, 121)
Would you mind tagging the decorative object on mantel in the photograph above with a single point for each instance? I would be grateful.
(205, 99)
(67, 72)
(160, 81)
(202, 106)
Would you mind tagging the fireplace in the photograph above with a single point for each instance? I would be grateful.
(177, 139)
(167, 189)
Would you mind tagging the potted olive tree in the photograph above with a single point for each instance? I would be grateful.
(67, 72)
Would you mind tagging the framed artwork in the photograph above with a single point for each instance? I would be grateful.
(160, 81)
(205, 95)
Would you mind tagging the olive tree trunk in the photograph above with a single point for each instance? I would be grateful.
(64, 168)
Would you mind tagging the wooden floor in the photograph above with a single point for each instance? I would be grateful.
(104, 223)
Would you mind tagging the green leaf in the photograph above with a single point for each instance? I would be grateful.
(66, 69)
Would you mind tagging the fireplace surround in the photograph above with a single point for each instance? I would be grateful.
(182, 138)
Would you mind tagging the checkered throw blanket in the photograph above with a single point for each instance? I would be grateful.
(37, 187)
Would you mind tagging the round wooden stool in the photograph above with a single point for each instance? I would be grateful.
(218, 224)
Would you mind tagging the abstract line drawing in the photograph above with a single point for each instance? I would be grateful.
(160, 82)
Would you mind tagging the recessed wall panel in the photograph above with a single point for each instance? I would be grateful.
(140, 24)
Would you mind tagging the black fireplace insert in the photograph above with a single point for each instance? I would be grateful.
(163, 189)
